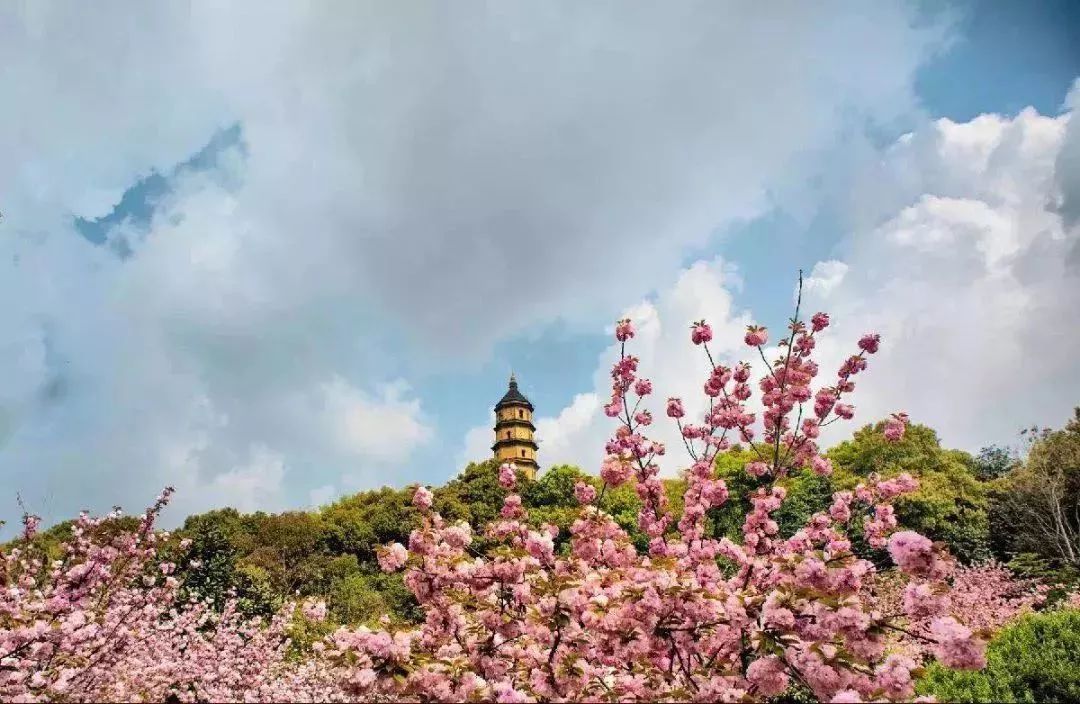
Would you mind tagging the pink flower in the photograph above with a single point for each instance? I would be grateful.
(675, 408)
(507, 475)
(894, 676)
(624, 330)
(956, 646)
(584, 493)
(914, 554)
(821, 466)
(870, 343)
(757, 469)
(768, 675)
(895, 426)
(756, 336)
(422, 498)
(643, 387)
(315, 610)
(615, 471)
(921, 601)
(393, 557)
(845, 411)
(700, 332)
(819, 322)
(613, 409)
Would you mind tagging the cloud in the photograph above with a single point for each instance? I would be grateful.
(477, 445)
(576, 435)
(385, 429)
(966, 274)
(255, 485)
(825, 276)
(403, 168)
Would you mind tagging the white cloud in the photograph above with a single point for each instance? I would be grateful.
(385, 429)
(825, 276)
(255, 485)
(322, 495)
(576, 435)
(967, 275)
(477, 445)
(404, 164)
(555, 435)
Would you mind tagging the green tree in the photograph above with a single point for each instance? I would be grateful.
(951, 504)
(994, 462)
(1036, 507)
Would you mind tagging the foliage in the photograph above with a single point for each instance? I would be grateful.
(994, 462)
(951, 504)
(1035, 660)
(1037, 506)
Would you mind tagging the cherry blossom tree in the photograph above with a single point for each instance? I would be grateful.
(689, 618)
(692, 618)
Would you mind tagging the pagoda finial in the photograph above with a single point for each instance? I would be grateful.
(513, 379)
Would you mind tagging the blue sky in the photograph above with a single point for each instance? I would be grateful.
(277, 265)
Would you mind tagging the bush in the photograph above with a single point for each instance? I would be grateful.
(1035, 660)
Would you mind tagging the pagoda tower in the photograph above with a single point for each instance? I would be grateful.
(514, 431)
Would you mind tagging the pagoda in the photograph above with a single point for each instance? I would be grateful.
(514, 431)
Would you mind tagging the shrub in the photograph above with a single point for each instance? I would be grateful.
(1035, 660)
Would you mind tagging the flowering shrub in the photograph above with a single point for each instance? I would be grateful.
(689, 617)
(983, 597)
(105, 623)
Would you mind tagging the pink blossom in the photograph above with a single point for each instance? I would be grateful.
(768, 676)
(922, 601)
(422, 498)
(757, 469)
(700, 332)
(756, 336)
(643, 387)
(613, 409)
(675, 408)
(915, 554)
(584, 493)
(870, 343)
(393, 557)
(895, 426)
(819, 321)
(508, 475)
(615, 471)
(822, 466)
(957, 647)
(624, 330)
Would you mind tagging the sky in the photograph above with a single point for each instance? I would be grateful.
(274, 253)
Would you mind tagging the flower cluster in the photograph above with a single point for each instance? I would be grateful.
(105, 622)
(689, 618)
(984, 597)
(692, 617)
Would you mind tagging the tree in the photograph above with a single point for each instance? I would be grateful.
(517, 621)
(951, 504)
(675, 615)
(1037, 506)
(994, 462)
